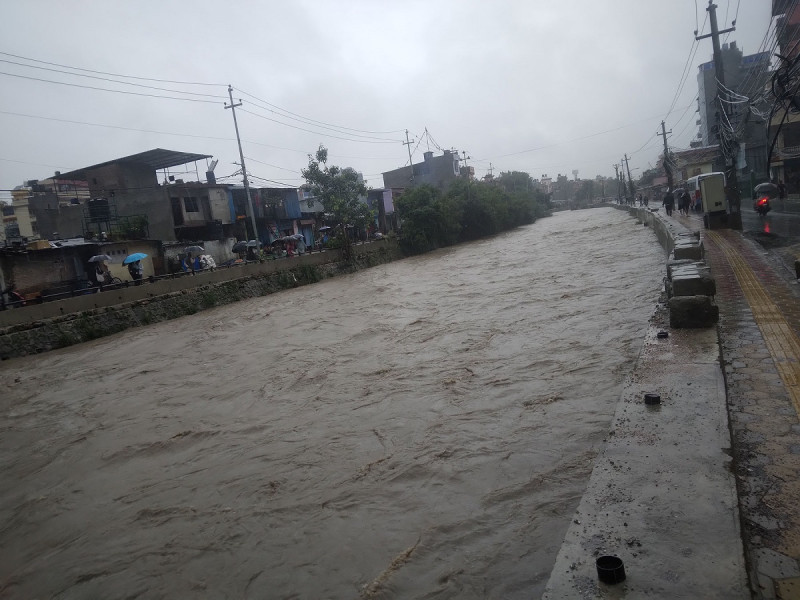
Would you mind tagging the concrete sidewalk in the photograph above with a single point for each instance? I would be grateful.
(759, 328)
(700, 497)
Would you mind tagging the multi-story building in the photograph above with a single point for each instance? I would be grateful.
(438, 171)
(127, 199)
(784, 129)
(745, 77)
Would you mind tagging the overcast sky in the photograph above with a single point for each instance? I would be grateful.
(542, 86)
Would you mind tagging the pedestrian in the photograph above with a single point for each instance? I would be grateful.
(101, 273)
(668, 202)
(781, 190)
(683, 203)
(187, 264)
(135, 269)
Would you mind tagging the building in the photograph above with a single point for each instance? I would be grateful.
(784, 128)
(47, 194)
(696, 161)
(10, 229)
(745, 76)
(127, 201)
(438, 171)
(382, 201)
(278, 212)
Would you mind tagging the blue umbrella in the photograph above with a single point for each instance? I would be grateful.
(134, 257)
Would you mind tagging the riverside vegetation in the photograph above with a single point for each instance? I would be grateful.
(467, 211)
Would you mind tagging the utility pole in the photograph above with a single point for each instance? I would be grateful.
(732, 187)
(667, 166)
(466, 172)
(630, 180)
(233, 106)
(622, 177)
(410, 164)
(616, 170)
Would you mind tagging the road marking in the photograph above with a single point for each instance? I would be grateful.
(782, 343)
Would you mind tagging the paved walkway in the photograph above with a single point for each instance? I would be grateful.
(759, 331)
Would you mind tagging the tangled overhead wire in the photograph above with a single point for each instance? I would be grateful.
(785, 86)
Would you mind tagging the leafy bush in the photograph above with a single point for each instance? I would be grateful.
(468, 211)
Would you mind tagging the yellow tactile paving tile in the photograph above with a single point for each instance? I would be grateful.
(788, 589)
(781, 341)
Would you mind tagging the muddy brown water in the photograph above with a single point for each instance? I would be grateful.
(422, 429)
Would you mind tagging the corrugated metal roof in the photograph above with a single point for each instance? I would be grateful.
(155, 159)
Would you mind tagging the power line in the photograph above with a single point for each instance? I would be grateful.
(44, 62)
(274, 166)
(189, 135)
(591, 135)
(365, 141)
(323, 127)
(308, 120)
(150, 87)
(89, 87)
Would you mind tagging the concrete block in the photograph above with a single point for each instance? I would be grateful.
(692, 312)
(689, 278)
(687, 248)
(674, 264)
(690, 269)
(698, 284)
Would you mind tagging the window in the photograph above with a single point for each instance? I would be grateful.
(190, 205)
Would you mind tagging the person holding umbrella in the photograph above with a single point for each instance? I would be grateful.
(134, 262)
(136, 270)
(101, 273)
(187, 264)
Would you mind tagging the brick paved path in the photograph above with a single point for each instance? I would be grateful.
(759, 329)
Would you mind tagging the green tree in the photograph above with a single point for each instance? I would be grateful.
(340, 191)
(467, 211)
(428, 220)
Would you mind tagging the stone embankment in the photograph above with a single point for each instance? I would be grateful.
(662, 496)
(39, 328)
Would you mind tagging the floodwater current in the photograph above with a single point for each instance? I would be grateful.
(421, 429)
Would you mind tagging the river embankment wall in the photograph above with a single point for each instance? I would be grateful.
(662, 495)
(42, 327)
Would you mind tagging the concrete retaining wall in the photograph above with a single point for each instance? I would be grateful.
(39, 328)
(662, 495)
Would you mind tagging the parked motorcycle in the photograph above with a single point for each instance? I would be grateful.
(761, 205)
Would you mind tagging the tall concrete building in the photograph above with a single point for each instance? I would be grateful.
(746, 76)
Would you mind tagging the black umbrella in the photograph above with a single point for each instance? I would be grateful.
(239, 247)
(194, 249)
(767, 188)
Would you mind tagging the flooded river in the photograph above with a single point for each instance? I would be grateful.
(422, 429)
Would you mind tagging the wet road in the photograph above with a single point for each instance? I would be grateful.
(422, 429)
(783, 224)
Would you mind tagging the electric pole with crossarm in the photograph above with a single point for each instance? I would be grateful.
(233, 106)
